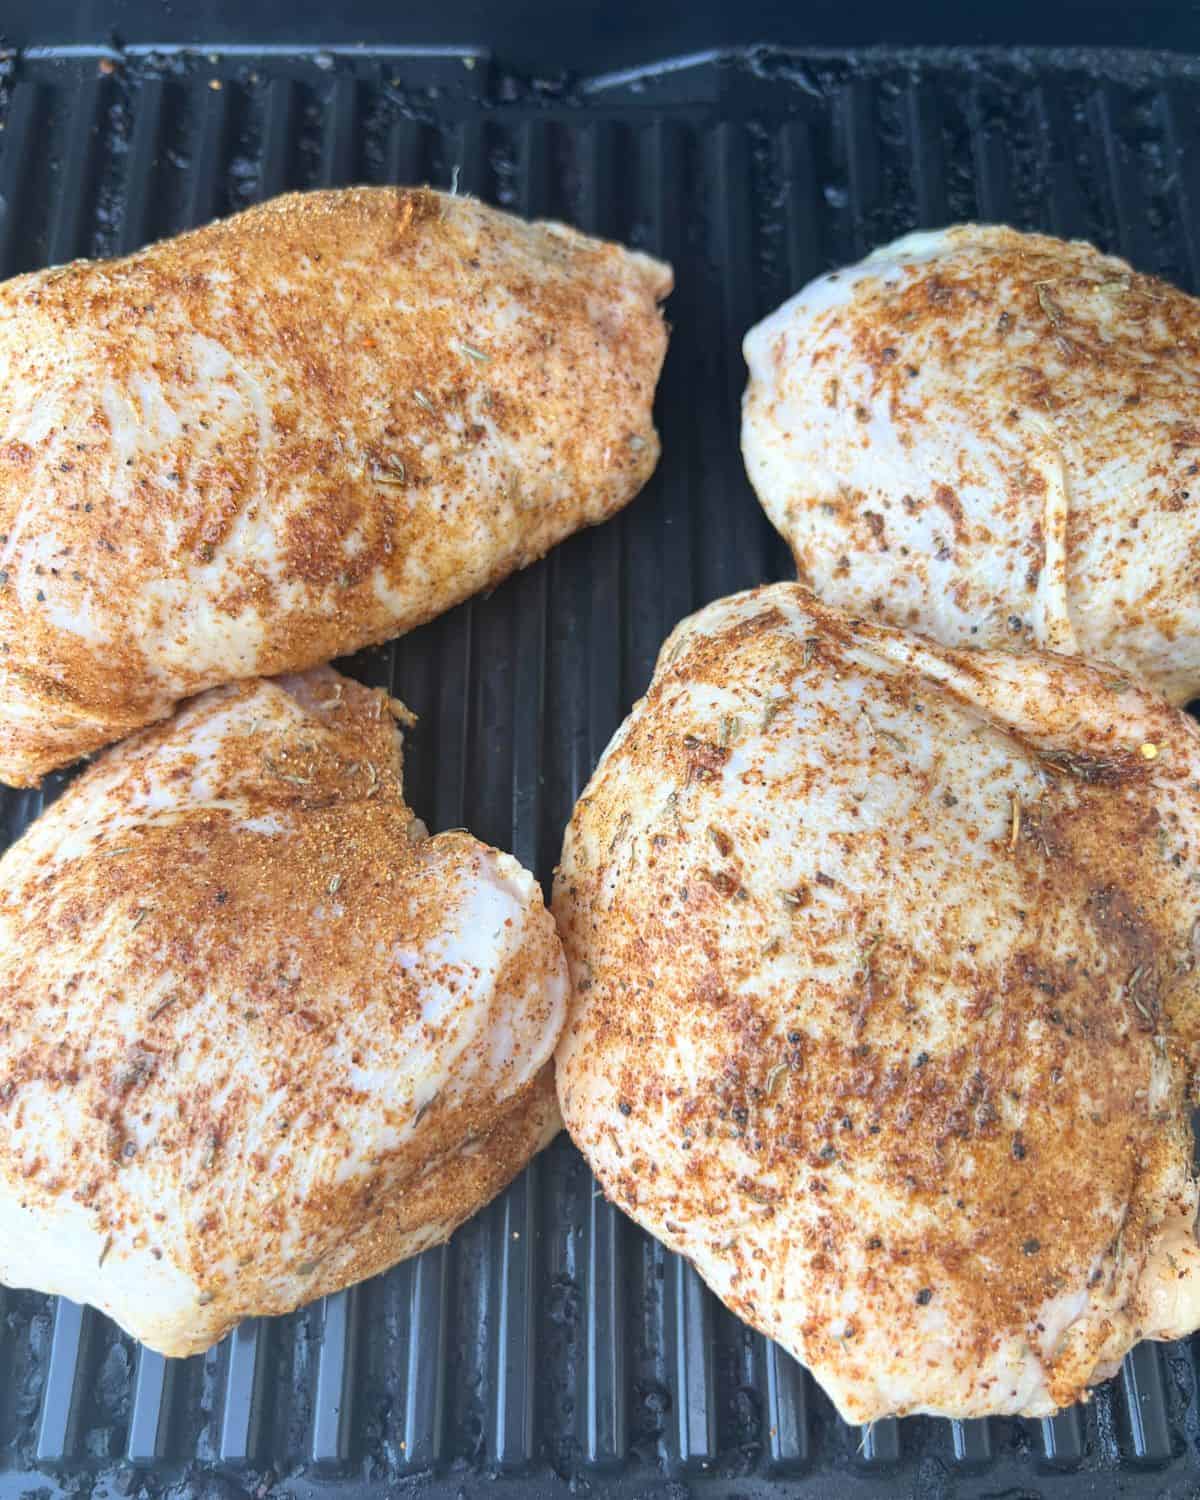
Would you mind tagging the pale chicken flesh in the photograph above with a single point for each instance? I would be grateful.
(885, 1001)
(992, 438)
(260, 1035)
(294, 433)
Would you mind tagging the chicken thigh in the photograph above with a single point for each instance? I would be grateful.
(260, 1035)
(885, 1001)
(292, 434)
(992, 438)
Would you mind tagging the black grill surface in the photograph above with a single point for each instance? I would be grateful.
(552, 1341)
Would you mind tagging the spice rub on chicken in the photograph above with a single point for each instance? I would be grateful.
(885, 1000)
(260, 1035)
(992, 438)
(294, 433)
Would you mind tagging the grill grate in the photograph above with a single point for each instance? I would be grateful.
(552, 1339)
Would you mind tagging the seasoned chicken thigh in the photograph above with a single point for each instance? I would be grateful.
(260, 1035)
(885, 1001)
(992, 438)
(285, 436)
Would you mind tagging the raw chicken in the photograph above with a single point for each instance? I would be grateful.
(992, 438)
(886, 1001)
(260, 1036)
(292, 434)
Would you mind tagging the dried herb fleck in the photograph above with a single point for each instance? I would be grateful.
(1131, 988)
(1048, 305)
(724, 844)
(424, 1109)
(283, 775)
(392, 472)
(866, 954)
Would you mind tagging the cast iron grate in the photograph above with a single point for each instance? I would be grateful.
(552, 1339)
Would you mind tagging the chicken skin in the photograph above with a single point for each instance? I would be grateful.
(885, 1001)
(294, 433)
(260, 1035)
(992, 438)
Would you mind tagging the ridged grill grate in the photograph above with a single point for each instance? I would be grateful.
(552, 1339)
